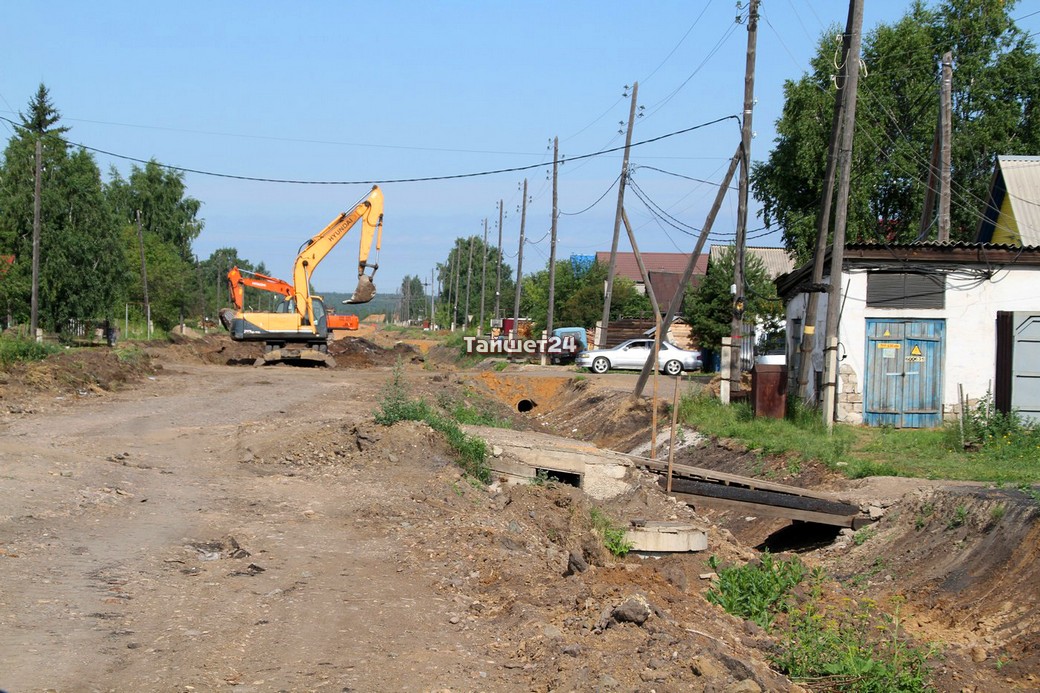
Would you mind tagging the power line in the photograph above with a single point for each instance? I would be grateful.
(387, 180)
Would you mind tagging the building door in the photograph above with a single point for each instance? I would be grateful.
(903, 381)
(1018, 364)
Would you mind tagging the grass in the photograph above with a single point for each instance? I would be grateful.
(17, 350)
(396, 404)
(613, 534)
(1007, 451)
(829, 644)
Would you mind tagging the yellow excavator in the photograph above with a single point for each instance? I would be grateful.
(301, 319)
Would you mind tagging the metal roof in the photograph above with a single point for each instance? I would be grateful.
(1018, 179)
(775, 260)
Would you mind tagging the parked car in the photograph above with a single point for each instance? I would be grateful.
(631, 355)
(571, 340)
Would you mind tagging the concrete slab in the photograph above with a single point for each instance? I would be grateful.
(528, 455)
(666, 537)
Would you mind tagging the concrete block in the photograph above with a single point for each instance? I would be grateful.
(666, 537)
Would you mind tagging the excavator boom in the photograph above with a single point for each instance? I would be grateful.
(370, 212)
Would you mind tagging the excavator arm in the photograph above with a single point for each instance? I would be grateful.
(239, 279)
(370, 212)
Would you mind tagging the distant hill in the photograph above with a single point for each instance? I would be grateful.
(382, 303)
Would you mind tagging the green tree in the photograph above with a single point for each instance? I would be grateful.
(578, 296)
(996, 94)
(166, 211)
(471, 286)
(709, 307)
(82, 274)
(414, 303)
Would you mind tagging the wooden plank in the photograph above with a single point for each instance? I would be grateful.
(758, 509)
(683, 470)
(783, 500)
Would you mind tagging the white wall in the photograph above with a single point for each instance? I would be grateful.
(970, 314)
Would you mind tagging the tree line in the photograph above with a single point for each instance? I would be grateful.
(93, 235)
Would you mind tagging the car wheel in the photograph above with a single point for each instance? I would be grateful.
(673, 368)
(600, 365)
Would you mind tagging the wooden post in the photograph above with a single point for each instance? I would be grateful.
(671, 438)
(552, 241)
(830, 380)
(469, 275)
(617, 221)
(823, 222)
(34, 306)
(736, 326)
(498, 276)
(483, 280)
(144, 279)
(519, 264)
(946, 119)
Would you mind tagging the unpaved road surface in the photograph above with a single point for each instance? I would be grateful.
(219, 528)
(143, 551)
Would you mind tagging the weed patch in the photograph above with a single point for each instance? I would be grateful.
(21, 350)
(396, 404)
(613, 535)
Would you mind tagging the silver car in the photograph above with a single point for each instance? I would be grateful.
(631, 355)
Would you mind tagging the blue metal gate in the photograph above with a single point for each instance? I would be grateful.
(903, 381)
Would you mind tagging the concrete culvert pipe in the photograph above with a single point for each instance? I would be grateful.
(525, 405)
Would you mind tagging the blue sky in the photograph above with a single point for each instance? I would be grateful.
(341, 91)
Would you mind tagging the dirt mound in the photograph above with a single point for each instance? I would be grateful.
(966, 559)
(529, 577)
(358, 352)
(74, 373)
(216, 348)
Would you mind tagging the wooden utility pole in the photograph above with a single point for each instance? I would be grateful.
(144, 278)
(830, 379)
(483, 280)
(34, 304)
(469, 283)
(498, 275)
(608, 294)
(737, 324)
(519, 264)
(407, 312)
(458, 273)
(823, 223)
(946, 121)
(684, 281)
(552, 242)
(433, 292)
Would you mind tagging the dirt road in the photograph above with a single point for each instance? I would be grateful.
(143, 548)
(218, 527)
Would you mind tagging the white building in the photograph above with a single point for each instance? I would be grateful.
(918, 322)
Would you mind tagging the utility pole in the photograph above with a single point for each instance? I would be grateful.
(519, 264)
(498, 276)
(34, 317)
(823, 223)
(483, 280)
(946, 121)
(407, 299)
(608, 294)
(458, 273)
(469, 283)
(684, 281)
(552, 242)
(144, 278)
(830, 380)
(433, 292)
(737, 324)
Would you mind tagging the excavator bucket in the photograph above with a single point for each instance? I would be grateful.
(364, 292)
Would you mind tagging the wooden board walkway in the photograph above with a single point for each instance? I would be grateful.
(698, 486)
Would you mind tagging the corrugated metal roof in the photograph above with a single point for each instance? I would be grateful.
(1022, 182)
(776, 260)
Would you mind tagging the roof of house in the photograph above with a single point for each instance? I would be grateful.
(625, 263)
(776, 260)
(894, 256)
(666, 284)
(1016, 178)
